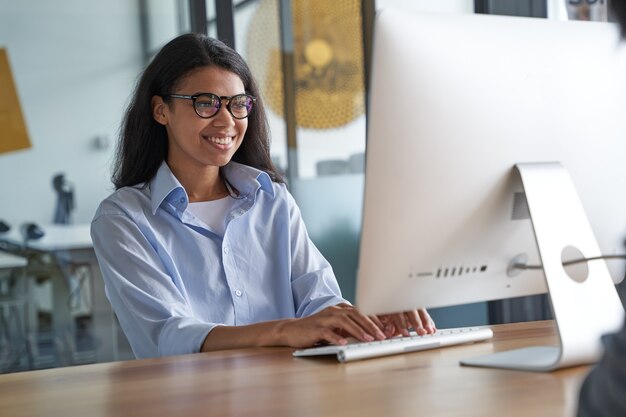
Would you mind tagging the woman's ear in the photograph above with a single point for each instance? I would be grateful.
(159, 110)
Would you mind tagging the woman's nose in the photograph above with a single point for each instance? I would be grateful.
(223, 117)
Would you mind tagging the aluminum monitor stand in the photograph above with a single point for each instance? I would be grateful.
(585, 305)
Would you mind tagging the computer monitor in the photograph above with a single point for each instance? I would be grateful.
(456, 102)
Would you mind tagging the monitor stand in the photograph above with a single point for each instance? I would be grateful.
(585, 305)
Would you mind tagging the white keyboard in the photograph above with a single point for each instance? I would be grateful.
(362, 350)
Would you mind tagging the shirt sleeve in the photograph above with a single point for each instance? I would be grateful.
(313, 281)
(154, 315)
(602, 393)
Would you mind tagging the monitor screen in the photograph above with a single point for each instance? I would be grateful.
(455, 102)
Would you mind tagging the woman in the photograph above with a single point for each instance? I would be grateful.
(202, 247)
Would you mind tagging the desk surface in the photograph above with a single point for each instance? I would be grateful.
(269, 382)
(56, 237)
(8, 260)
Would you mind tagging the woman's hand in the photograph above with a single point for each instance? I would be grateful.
(335, 323)
(332, 325)
(398, 324)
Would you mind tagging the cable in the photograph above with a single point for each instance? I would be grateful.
(572, 262)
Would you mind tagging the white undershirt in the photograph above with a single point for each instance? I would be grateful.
(213, 213)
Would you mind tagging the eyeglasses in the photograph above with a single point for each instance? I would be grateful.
(207, 105)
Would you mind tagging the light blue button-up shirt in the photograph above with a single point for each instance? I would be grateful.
(171, 279)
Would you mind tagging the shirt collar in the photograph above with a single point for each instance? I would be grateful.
(245, 179)
(248, 180)
(163, 185)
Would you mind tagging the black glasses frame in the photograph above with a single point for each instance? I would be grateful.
(220, 99)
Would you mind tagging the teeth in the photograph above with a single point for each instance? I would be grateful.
(220, 141)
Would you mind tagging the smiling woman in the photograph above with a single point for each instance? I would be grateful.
(185, 68)
(202, 136)
(202, 247)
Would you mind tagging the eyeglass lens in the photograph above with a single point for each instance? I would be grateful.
(209, 104)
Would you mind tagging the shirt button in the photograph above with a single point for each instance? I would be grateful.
(182, 201)
(226, 250)
(238, 293)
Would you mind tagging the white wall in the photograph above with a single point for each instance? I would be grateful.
(75, 63)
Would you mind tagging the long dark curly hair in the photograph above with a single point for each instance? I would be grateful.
(142, 145)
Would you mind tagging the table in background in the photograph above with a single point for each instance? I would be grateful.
(71, 245)
(13, 300)
(10, 261)
(270, 382)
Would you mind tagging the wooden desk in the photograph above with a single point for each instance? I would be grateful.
(270, 382)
